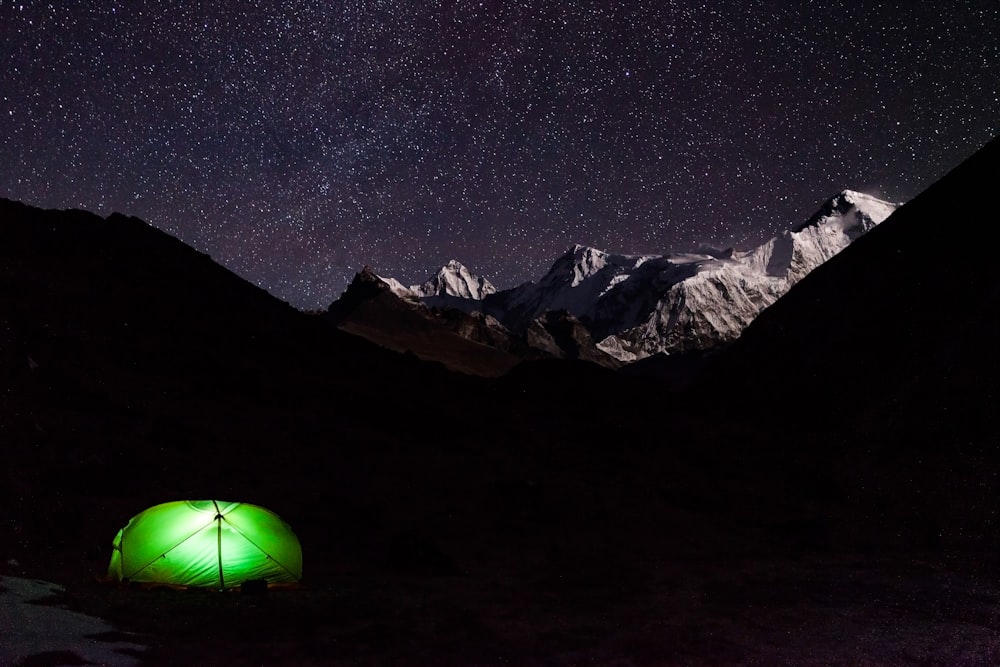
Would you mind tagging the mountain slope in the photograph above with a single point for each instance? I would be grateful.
(723, 295)
(905, 320)
(880, 372)
(389, 314)
(116, 312)
(454, 279)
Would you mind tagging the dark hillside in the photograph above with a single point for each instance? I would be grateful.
(903, 323)
(881, 369)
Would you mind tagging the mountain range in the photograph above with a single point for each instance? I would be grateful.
(831, 473)
(615, 309)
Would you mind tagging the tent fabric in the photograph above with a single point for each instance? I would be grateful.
(206, 543)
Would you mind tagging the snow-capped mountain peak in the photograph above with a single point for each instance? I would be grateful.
(849, 209)
(581, 264)
(584, 262)
(454, 279)
(368, 275)
(839, 221)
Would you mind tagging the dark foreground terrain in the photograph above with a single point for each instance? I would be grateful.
(825, 492)
(489, 550)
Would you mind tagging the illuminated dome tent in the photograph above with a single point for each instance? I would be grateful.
(207, 543)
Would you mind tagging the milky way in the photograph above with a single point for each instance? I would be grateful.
(297, 141)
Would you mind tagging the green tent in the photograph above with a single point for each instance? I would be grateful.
(207, 543)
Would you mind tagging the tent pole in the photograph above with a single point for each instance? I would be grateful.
(218, 519)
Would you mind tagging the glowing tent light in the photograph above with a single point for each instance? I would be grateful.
(207, 543)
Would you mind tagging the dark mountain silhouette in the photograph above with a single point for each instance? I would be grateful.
(902, 324)
(890, 347)
(96, 302)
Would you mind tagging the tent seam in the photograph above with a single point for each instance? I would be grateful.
(260, 548)
(162, 555)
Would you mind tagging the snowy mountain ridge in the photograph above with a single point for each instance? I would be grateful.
(640, 305)
(454, 279)
(722, 296)
(453, 285)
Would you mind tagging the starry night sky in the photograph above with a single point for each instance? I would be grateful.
(297, 141)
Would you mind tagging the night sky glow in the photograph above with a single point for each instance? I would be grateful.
(297, 141)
